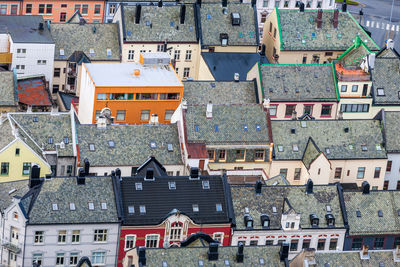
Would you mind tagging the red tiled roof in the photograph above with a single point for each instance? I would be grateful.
(33, 92)
(197, 151)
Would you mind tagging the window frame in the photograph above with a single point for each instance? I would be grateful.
(330, 110)
(359, 171)
(132, 242)
(100, 236)
(156, 240)
(143, 113)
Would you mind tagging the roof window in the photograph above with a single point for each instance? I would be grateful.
(303, 124)
(172, 185)
(196, 128)
(35, 119)
(142, 209)
(138, 186)
(66, 140)
(245, 128)
(280, 148)
(378, 148)
(170, 147)
(62, 52)
(258, 127)
(131, 209)
(195, 207)
(50, 140)
(72, 206)
(108, 52)
(55, 206)
(351, 147)
(91, 147)
(380, 92)
(164, 264)
(227, 263)
(206, 184)
(328, 151)
(216, 129)
(273, 209)
(358, 213)
(111, 143)
(91, 51)
(218, 207)
(295, 148)
(328, 208)
(364, 148)
(246, 210)
(380, 213)
(153, 144)
(91, 206)
(201, 263)
(261, 261)
(103, 205)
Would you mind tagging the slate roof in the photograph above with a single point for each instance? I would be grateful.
(296, 26)
(386, 75)
(25, 29)
(57, 126)
(311, 152)
(185, 257)
(223, 66)
(230, 121)
(65, 190)
(329, 134)
(12, 189)
(132, 144)
(212, 15)
(392, 129)
(273, 196)
(159, 24)
(33, 92)
(352, 258)
(8, 90)
(5, 133)
(75, 37)
(300, 82)
(160, 202)
(368, 204)
(67, 99)
(219, 93)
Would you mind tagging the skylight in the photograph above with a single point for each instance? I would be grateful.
(245, 128)
(195, 207)
(50, 141)
(196, 128)
(103, 205)
(206, 184)
(218, 207)
(91, 147)
(72, 206)
(258, 127)
(328, 151)
(295, 148)
(111, 143)
(274, 209)
(66, 140)
(35, 119)
(280, 148)
(55, 206)
(153, 144)
(380, 213)
(170, 148)
(172, 185)
(109, 52)
(364, 148)
(378, 148)
(91, 206)
(61, 52)
(138, 186)
(91, 51)
(131, 209)
(216, 128)
(142, 209)
(380, 92)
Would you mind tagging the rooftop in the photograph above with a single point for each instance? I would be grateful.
(122, 74)
(33, 92)
(159, 24)
(131, 144)
(352, 258)
(8, 90)
(299, 31)
(244, 34)
(392, 129)
(25, 29)
(337, 139)
(6, 133)
(201, 92)
(302, 82)
(99, 41)
(11, 189)
(245, 197)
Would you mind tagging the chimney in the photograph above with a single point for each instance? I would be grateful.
(236, 77)
(294, 115)
(258, 187)
(34, 179)
(184, 103)
(389, 44)
(209, 110)
(81, 177)
(94, 29)
(101, 122)
(319, 19)
(344, 7)
(87, 166)
(153, 119)
(301, 7)
(396, 254)
(262, 52)
(213, 251)
(82, 21)
(149, 174)
(309, 186)
(253, 3)
(364, 254)
(118, 173)
(365, 187)
(371, 60)
(160, 3)
(137, 16)
(183, 13)
(224, 3)
(239, 254)
(284, 252)
(309, 256)
(335, 18)
(41, 26)
(142, 256)
(54, 110)
(194, 173)
(198, 2)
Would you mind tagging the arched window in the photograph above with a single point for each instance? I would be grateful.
(176, 231)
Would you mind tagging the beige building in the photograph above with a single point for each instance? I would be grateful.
(329, 151)
(310, 36)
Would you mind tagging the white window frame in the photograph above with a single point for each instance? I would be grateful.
(175, 232)
(152, 235)
(133, 242)
(76, 234)
(63, 235)
(39, 237)
(102, 256)
(100, 235)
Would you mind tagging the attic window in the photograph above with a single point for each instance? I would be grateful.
(61, 52)
(103, 205)
(35, 119)
(280, 148)
(195, 208)
(246, 210)
(153, 144)
(380, 213)
(91, 206)
(358, 213)
(111, 143)
(50, 140)
(351, 147)
(55, 206)
(218, 207)
(138, 186)
(72, 206)
(206, 184)
(172, 185)
(364, 148)
(108, 52)
(235, 18)
(380, 92)
(378, 148)
(131, 209)
(142, 209)
(66, 140)
(91, 147)
(258, 127)
(328, 151)
(295, 148)
(91, 51)
(170, 148)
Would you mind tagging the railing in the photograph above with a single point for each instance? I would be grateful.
(353, 77)
(6, 58)
(12, 247)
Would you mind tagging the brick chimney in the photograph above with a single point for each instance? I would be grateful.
(319, 19)
(335, 18)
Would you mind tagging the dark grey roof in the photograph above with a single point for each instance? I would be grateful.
(369, 205)
(227, 124)
(25, 29)
(12, 189)
(392, 129)
(56, 126)
(329, 134)
(161, 202)
(159, 24)
(65, 190)
(214, 22)
(132, 144)
(223, 66)
(297, 26)
(75, 37)
(5, 133)
(190, 256)
(314, 82)
(67, 99)
(352, 258)
(8, 90)
(244, 196)
(201, 92)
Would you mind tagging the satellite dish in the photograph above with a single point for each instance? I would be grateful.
(106, 112)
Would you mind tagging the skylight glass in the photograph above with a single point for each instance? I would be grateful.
(172, 185)
(218, 207)
(91, 206)
(55, 206)
(111, 143)
(131, 209)
(103, 206)
(142, 209)
(72, 206)
(206, 184)
(280, 148)
(195, 207)
(138, 186)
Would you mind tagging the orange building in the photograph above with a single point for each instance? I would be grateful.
(61, 11)
(132, 91)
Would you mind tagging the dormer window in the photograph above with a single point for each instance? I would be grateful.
(264, 220)
(330, 219)
(314, 220)
(248, 221)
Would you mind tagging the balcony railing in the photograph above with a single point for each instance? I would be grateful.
(12, 247)
(5, 58)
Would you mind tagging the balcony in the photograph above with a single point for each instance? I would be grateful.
(351, 74)
(5, 58)
(11, 247)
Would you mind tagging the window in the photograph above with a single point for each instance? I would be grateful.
(145, 115)
(389, 166)
(379, 242)
(308, 109)
(344, 88)
(380, 92)
(277, 3)
(37, 258)
(73, 258)
(5, 168)
(41, 62)
(146, 96)
(357, 244)
(294, 245)
(121, 115)
(354, 88)
(152, 241)
(112, 9)
(377, 172)
(218, 207)
(55, 206)
(101, 96)
(222, 155)
(98, 258)
(263, 17)
(26, 168)
(321, 244)
(57, 72)
(41, 8)
(306, 243)
(338, 173)
(28, 8)
(273, 109)
(360, 172)
(286, 4)
(240, 154)
(259, 154)
(131, 209)
(195, 207)
(176, 70)
(374, 188)
(176, 231)
(333, 244)
(326, 110)
(97, 9)
(289, 110)
(142, 209)
(186, 72)
(354, 107)
(252, 243)
(103, 205)
(64, 5)
(270, 27)
(396, 241)
(283, 173)
(84, 9)
(188, 55)
(205, 184)
(131, 54)
(100, 235)
(75, 236)
(60, 259)
(92, 147)
(297, 173)
(219, 237)
(49, 8)
(130, 241)
(274, 32)
(62, 236)
(177, 54)
(39, 236)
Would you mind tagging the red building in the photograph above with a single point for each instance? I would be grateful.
(161, 211)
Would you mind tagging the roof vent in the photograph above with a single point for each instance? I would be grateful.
(239, 254)
(153, 119)
(365, 187)
(87, 166)
(41, 26)
(224, 3)
(293, 130)
(142, 255)
(236, 77)
(319, 19)
(309, 186)
(284, 251)
(213, 251)
(94, 29)
(137, 16)
(81, 177)
(235, 19)
(35, 176)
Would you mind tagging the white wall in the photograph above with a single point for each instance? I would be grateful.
(127, 170)
(86, 97)
(394, 175)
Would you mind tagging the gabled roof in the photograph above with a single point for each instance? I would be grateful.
(392, 129)
(154, 164)
(198, 240)
(8, 89)
(76, 17)
(11, 189)
(354, 54)
(310, 153)
(6, 133)
(32, 92)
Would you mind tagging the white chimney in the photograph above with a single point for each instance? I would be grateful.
(371, 60)
(364, 254)
(209, 110)
(184, 103)
(266, 103)
(29, 109)
(101, 122)
(153, 119)
(236, 77)
(396, 254)
(389, 44)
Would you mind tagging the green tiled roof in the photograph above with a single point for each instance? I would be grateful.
(214, 22)
(392, 130)
(8, 90)
(355, 54)
(352, 258)
(97, 36)
(273, 196)
(369, 205)
(219, 93)
(158, 24)
(297, 26)
(329, 134)
(63, 191)
(227, 125)
(300, 82)
(132, 144)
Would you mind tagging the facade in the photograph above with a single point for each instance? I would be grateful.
(296, 91)
(303, 216)
(29, 52)
(131, 91)
(320, 36)
(158, 211)
(329, 151)
(8, 92)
